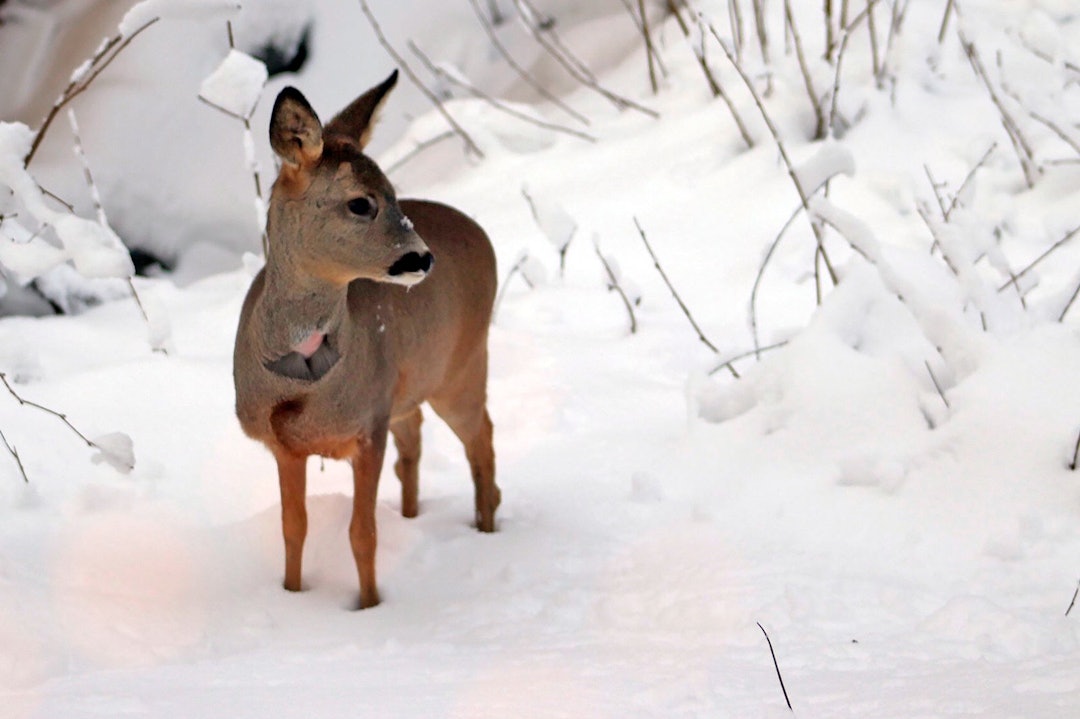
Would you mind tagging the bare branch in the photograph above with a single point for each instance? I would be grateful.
(15, 454)
(96, 65)
(760, 276)
(536, 218)
(777, 665)
(522, 72)
(763, 40)
(803, 196)
(674, 293)
(967, 180)
(940, 391)
(1023, 150)
(497, 104)
(1068, 236)
(650, 50)
(815, 101)
(871, 27)
(714, 85)
(756, 352)
(945, 22)
(1072, 466)
(420, 147)
(613, 284)
(1069, 304)
(62, 417)
(469, 144)
(571, 64)
(1056, 129)
(516, 268)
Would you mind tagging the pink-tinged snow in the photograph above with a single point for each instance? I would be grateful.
(909, 558)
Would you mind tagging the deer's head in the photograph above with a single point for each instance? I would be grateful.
(333, 215)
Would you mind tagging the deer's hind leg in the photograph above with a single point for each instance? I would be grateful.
(463, 406)
(406, 431)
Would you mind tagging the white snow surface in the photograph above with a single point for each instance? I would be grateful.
(888, 493)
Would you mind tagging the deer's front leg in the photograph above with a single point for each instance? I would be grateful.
(362, 533)
(292, 475)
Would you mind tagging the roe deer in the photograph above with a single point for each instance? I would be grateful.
(351, 326)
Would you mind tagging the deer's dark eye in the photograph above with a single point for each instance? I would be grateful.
(363, 207)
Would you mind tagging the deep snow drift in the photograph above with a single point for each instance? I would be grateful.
(887, 493)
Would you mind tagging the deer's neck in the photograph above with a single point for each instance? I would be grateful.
(299, 311)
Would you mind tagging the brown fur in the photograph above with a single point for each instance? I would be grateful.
(327, 271)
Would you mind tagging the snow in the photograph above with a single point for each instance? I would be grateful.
(235, 86)
(888, 492)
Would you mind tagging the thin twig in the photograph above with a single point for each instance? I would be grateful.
(967, 180)
(777, 665)
(815, 101)
(760, 276)
(420, 147)
(756, 352)
(1077, 592)
(715, 87)
(614, 284)
(1023, 149)
(763, 40)
(940, 391)
(516, 268)
(78, 85)
(735, 19)
(571, 64)
(1071, 234)
(674, 293)
(871, 27)
(945, 22)
(673, 9)
(62, 417)
(15, 454)
(650, 50)
(469, 144)
(522, 72)
(1056, 129)
(964, 272)
(260, 220)
(536, 218)
(1069, 304)
(803, 196)
(1072, 466)
(654, 53)
(497, 104)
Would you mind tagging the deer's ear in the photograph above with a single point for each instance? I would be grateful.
(358, 119)
(295, 131)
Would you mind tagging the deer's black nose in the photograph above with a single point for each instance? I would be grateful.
(412, 262)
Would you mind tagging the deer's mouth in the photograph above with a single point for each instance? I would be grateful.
(411, 267)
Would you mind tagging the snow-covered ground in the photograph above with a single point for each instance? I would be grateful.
(910, 549)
